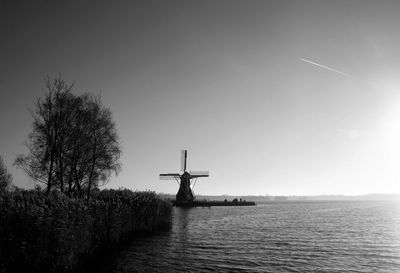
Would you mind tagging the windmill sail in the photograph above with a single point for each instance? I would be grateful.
(195, 174)
(169, 176)
(185, 193)
(183, 160)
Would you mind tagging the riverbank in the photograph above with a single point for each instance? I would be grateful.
(56, 233)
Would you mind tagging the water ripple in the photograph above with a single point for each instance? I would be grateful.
(274, 237)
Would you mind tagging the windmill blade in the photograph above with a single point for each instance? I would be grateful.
(183, 160)
(196, 174)
(199, 173)
(169, 176)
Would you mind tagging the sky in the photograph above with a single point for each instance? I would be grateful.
(270, 97)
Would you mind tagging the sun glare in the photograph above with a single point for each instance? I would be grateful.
(386, 144)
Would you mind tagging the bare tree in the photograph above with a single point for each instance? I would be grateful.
(74, 144)
(104, 146)
(43, 141)
(5, 176)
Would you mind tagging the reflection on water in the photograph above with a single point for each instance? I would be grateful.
(351, 236)
(181, 220)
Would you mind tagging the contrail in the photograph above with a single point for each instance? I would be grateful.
(326, 67)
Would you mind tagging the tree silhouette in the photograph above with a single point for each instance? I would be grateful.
(5, 176)
(74, 145)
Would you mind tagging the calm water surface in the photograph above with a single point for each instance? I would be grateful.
(349, 236)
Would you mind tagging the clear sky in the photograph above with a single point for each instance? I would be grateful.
(271, 97)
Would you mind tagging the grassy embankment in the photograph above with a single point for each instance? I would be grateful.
(56, 233)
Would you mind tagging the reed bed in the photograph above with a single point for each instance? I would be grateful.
(56, 233)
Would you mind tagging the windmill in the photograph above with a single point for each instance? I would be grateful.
(186, 185)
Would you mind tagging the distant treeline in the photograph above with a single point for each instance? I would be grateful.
(52, 232)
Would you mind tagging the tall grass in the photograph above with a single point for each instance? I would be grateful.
(56, 233)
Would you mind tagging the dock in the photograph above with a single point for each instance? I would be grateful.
(208, 204)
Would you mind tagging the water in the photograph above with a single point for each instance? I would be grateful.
(345, 236)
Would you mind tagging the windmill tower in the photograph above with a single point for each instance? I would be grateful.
(186, 185)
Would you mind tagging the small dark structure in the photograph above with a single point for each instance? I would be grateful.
(185, 196)
(207, 204)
